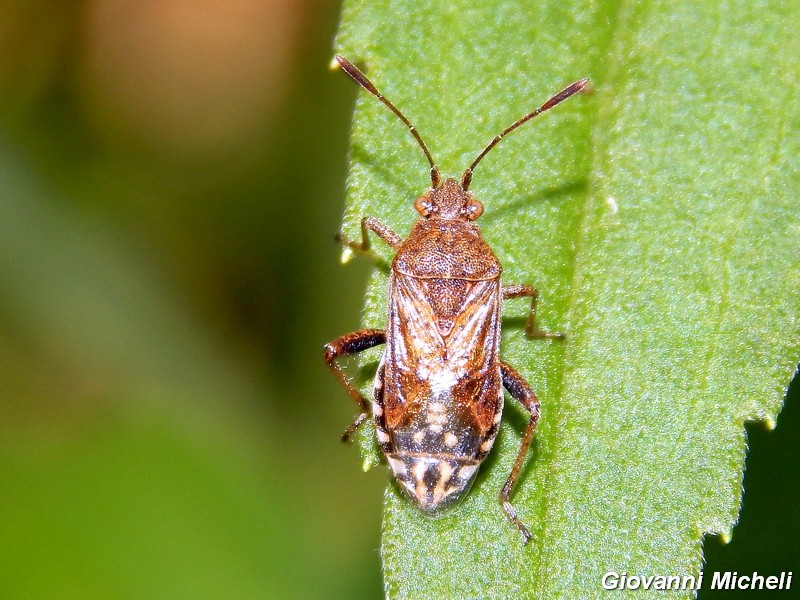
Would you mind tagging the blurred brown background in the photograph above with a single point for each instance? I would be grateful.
(171, 175)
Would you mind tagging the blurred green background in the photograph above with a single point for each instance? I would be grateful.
(171, 174)
(171, 177)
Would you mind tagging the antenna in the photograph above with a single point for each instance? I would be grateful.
(466, 178)
(365, 83)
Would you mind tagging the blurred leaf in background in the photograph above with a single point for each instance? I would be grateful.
(170, 179)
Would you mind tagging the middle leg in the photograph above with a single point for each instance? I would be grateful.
(523, 291)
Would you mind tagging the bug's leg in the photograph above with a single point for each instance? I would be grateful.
(371, 224)
(522, 392)
(347, 345)
(522, 291)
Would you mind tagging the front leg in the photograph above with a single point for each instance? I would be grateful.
(370, 224)
(347, 345)
(522, 392)
(521, 291)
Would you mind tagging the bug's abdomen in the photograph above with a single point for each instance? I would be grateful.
(436, 455)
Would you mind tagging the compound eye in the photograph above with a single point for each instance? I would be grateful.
(473, 210)
(424, 206)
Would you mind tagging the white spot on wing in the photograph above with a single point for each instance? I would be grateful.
(419, 470)
(419, 476)
(398, 466)
(440, 491)
(442, 380)
(466, 472)
(436, 417)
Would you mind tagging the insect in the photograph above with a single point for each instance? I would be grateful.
(437, 398)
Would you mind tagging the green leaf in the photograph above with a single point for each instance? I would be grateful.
(658, 217)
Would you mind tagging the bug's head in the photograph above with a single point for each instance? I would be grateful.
(449, 201)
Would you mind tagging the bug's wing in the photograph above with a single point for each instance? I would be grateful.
(442, 345)
(475, 341)
(413, 345)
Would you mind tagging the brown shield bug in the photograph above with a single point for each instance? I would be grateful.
(437, 399)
